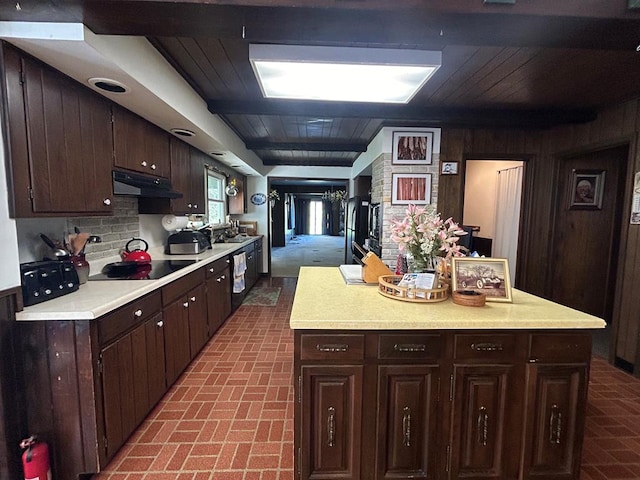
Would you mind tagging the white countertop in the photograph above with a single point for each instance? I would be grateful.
(324, 302)
(96, 298)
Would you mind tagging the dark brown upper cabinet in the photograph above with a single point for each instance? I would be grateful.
(139, 145)
(238, 204)
(60, 142)
(187, 177)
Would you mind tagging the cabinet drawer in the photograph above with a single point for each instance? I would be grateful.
(560, 347)
(331, 347)
(216, 267)
(118, 322)
(402, 346)
(181, 286)
(485, 348)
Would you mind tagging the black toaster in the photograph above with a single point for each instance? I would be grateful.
(42, 281)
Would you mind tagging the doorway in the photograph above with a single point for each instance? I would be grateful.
(491, 209)
(586, 234)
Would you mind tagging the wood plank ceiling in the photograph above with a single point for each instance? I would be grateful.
(532, 64)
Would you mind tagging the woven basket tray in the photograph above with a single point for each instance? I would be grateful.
(388, 286)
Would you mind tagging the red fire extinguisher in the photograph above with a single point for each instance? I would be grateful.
(35, 459)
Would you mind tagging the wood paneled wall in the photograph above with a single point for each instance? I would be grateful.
(12, 416)
(542, 150)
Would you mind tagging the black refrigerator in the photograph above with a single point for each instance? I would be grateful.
(356, 227)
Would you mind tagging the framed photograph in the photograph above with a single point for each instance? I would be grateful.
(449, 168)
(411, 188)
(586, 189)
(412, 148)
(485, 275)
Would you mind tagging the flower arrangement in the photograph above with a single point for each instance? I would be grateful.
(425, 236)
(274, 195)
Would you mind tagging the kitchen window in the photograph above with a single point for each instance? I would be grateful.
(216, 200)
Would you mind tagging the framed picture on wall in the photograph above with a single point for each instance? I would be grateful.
(449, 168)
(484, 275)
(586, 189)
(411, 188)
(412, 148)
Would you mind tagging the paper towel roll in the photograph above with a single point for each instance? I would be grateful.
(171, 222)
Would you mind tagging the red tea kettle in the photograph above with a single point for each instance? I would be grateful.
(137, 255)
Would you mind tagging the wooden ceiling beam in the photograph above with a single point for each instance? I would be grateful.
(606, 24)
(307, 146)
(533, 118)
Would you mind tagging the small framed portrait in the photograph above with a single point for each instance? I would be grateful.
(489, 276)
(412, 148)
(411, 188)
(586, 189)
(449, 168)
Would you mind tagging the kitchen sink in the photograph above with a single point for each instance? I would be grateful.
(238, 239)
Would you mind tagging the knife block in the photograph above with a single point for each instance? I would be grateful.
(373, 268)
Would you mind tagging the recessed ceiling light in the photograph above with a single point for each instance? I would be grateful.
(183, 132)
(345, 74)
(108, 85)
(217, 154)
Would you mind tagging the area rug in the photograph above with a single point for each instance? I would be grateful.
(263, 296)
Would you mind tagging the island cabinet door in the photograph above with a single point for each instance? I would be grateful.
(407, 422)
(556, 396)
(331, 422)
(486, 427)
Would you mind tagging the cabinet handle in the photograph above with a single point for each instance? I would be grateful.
(331, 426)
(107, 201)
(138, 313)
(409, 347)
(160, 324)
(228, 261)
(249, 257)
(406, 426)
(339, 347)
(223, 277)
(195, 206)
(211, 270)
(143, 163)
(185, 304)
(153, 166)
(486, 347)
(193, 299)
(483, 426)
(189, 205)
(555, 424)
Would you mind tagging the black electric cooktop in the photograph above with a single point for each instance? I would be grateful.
(151, 271)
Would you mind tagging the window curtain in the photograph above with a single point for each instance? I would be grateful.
(508, 198)
(302, 216)
(327, 212)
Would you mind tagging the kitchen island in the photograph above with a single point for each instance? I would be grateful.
(392, 389)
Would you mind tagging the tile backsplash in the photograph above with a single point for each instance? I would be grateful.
(115, 231)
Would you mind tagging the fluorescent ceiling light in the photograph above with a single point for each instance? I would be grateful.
(342, 73)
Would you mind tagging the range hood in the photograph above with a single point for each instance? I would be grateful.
(138, 185)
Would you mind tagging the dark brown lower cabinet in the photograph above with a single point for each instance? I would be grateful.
(407, 421)
(473, 405)
(332, 422)
(484, 441)
(218, 293)
(556, 394)
(130, 382)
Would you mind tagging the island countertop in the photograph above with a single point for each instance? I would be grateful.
(324, 302)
